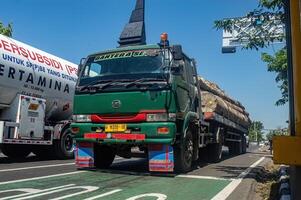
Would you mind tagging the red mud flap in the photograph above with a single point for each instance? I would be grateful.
(161, 158)
(84, 155)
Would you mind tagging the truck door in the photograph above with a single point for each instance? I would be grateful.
(183, 91)
(190, 82)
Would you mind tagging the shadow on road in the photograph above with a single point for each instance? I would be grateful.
(30, 158)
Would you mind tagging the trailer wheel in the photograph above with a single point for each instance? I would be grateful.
(184, 154)
(235, 148)
(104, 156)
(64, 148)
(15, 151)
(203, 154)
(244, 145)
(215, 151)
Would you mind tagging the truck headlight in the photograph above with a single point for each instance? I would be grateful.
(81, 118)
(160, 117)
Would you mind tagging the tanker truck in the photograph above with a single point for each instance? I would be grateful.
(150, 97)
(36, 99)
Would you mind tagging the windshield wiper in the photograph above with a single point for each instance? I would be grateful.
(142, 80)
(94, 83)
(108, 83)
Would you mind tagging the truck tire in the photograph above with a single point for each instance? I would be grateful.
(239, 148)
(244, 144)
(184, 154)
(235, 148)
(231, 148)
(215, 151)
(16, 151)
(104, 156)
(64, 147)
(203, 154)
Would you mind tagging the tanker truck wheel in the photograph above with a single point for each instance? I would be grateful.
(184, 154)
(15, 151)
(64, 148)
(104, 156)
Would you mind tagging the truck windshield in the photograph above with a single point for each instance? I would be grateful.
(129, 65)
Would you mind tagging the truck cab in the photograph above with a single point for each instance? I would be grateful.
(145, 96)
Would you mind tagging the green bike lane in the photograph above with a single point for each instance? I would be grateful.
(113, 186)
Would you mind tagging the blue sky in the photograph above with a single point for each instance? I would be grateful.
(72, 29)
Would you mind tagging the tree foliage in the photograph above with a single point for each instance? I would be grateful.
(6, 30)
(276, 132)
(256, 131)
(278, 63)
(268, 13)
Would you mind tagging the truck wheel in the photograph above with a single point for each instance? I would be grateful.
(235, 148)
(244, 145)
(184, 154)
(215, 151)
(203, 154)
(104, 156)
(239, 147)
(15, 151)
(64, 148)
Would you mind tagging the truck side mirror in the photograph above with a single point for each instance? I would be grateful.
(177, 69)
(177, 52)
(81, 65)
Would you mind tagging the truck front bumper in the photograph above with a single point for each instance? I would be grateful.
(138, 133)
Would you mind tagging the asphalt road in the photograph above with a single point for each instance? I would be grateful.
(128, 179)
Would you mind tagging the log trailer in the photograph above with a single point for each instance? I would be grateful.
(36, 99)
(148, 96)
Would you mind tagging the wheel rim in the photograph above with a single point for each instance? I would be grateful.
(188, 151)
(68, 143)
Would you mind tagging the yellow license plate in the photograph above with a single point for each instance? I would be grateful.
(115, 128)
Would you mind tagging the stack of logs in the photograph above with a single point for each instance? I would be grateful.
(216, 100)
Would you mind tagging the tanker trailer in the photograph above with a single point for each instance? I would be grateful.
(36, 100)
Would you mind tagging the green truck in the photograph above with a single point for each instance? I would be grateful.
(147, 97)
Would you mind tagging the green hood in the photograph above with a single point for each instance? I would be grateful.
(131, 102)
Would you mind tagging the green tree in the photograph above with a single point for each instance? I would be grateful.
(268, 11)
(278, 63)
(6, 30)
(275, 132)
(256, 131)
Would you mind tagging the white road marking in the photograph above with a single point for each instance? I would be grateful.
(104, 194)
(41, 177)
(87, 189)
(225, 193)
(204, 177)
(157, 195)
(36, 167)
(31, 191)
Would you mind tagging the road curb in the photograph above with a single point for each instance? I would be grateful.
(284, 188)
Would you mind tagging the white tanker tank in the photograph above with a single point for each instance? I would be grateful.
(36, 95)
